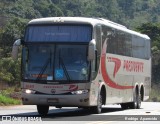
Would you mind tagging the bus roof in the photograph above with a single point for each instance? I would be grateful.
(85, 20)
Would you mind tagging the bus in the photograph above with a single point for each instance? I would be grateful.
(83, 62)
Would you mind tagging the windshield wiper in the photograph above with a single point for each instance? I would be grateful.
(43, 69)
(64, 68)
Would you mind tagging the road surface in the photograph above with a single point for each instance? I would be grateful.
(149, 111)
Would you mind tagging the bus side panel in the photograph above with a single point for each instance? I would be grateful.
(124, 73)
(147, 80)
(121, 89)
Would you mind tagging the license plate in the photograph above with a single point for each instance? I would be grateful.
(53, 100)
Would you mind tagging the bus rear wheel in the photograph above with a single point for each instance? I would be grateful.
(136, 104)
(42, 109)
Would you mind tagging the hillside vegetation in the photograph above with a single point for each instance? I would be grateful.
(140, 15)
(128, 12)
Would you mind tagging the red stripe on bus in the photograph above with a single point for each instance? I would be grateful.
(105, 76)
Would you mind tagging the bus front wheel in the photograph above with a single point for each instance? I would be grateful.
(42, 109)
(97, 109)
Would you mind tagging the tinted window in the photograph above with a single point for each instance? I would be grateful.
(140, 47)
(56, 33)
(55, 62)
(128, 44)
(122, 43)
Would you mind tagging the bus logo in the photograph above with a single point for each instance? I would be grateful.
(73, 87)
(53, 91)
(117, 64)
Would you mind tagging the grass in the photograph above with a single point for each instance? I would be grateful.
(5, 98)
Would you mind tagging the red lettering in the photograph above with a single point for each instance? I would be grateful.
(126, 65)
(49, 87)
(132, 66)
(29, 86)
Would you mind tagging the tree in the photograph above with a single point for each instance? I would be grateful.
(12, 31)
(153, 31)
(9, 70)
(47, 8)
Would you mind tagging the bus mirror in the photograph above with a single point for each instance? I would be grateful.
(91, 50)
(15, 47)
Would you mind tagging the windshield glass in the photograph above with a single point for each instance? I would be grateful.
(37, 61)
(55, 63)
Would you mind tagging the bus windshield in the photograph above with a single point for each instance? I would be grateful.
(55, 62)
(58, 33)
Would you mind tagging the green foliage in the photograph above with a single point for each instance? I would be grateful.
(151, 29)
(47, 8)
(9, 70)
(4, 100)
(31, 9)
(13, 30)
(6, 96)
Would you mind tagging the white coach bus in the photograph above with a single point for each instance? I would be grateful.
(83, 62)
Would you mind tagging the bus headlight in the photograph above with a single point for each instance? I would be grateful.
(28, 91)
(79, 92)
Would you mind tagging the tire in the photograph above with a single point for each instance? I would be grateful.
(139, 101)
(136, 104)
(98, 109)
(42, 109)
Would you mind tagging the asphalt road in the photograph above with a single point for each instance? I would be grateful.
(110, 114)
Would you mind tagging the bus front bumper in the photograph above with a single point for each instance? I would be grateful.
(56, 100)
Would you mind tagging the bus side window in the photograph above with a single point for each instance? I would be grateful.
(128, 43)
(112, 42)
(138, 45)
(147, 49)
